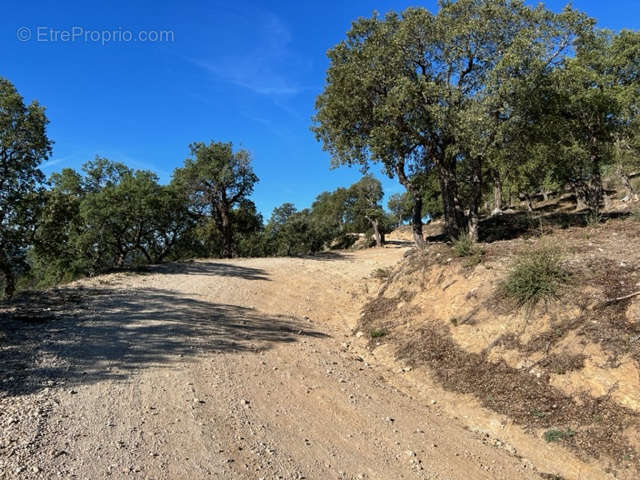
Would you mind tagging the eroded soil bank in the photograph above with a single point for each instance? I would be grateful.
(566, 372)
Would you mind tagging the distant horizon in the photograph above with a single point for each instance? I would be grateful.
(137, 84)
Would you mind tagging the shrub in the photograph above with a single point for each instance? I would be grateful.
(382, 273)
(536, 274)
(593, 220)
(377, 333)
(557, 435)
(464, 246)
(635, 214)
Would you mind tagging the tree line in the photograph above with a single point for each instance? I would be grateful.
(108, 216)
(484, 98)
(482, 101)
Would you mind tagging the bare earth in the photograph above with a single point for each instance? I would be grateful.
(240, 369)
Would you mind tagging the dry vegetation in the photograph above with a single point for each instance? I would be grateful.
(537, 330)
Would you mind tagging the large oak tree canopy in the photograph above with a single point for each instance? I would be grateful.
(426, 94)
(217, 180)
(23, 146)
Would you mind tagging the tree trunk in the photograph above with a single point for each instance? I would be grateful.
(375, 224)
(473, 220)
(453, 216)
(416, 221)
(223, 222)
(227, 239)
(416, 218)
(9, 279)
(595, 190)
(626, 183)
(581, 200)
(146, 254)
(529, 203)
(497, 198)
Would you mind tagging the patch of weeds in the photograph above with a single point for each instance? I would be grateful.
(593, 220)
(474, 260)
(538, 413)
(382, 273)
(553, 436)
(454, 321)
(536, 274)
(563, 363)
(635, 214)
(551, 476)
(464, 246)
(377, 333)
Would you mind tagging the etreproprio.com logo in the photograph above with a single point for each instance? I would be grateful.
(44, 34)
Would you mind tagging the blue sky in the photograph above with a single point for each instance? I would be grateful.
(240, 71)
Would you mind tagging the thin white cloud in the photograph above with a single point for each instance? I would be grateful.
(260, 69)
(51, 163)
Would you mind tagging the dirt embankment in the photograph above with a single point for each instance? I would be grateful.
(566, 373)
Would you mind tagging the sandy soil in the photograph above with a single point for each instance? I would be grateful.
(242, 369)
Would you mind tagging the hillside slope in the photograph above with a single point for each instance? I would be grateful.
(565, 372)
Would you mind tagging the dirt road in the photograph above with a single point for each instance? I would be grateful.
(241, 369)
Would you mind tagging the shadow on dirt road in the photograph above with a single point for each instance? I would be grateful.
(82, 336)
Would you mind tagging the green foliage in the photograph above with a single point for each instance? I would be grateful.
(441, 93)
(464, 246)
(332, 221)
(290, 232)
(593, 219)
(537, 274)
(401, 204)
(110, 217)
(23, 146)
(377, 333)
(363, 210)
(216, 179)
(553, 436)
